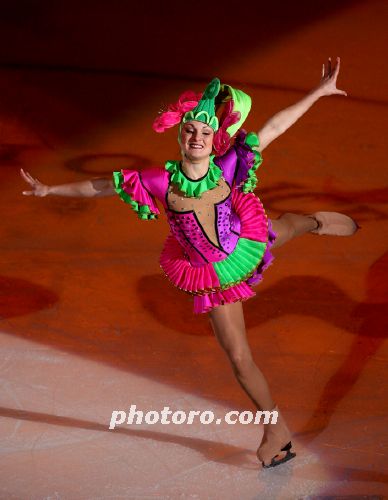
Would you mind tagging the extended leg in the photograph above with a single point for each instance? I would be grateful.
(290, 225)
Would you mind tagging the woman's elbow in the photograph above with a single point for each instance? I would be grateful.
(266, 136)
(103, 187)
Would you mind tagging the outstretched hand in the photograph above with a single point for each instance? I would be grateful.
(328, 83)
(38, 189)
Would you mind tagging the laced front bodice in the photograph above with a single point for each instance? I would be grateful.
(204, 207)
(205, 226)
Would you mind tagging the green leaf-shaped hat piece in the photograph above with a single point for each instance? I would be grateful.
(205, 110)
(241, 104)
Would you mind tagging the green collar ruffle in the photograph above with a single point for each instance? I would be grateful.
(194, 188)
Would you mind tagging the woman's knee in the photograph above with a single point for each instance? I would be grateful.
(229, 328)
(288, 220)
(284, 228)
(241, 360)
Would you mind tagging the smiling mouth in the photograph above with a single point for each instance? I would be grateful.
(195, 146)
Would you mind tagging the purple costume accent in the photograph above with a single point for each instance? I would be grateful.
(268, 258)
(227, 238)
(228, 163)
(245, 156)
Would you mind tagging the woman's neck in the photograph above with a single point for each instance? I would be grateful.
(195, 169)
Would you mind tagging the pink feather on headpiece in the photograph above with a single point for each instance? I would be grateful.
(221, 141)
(186, 102)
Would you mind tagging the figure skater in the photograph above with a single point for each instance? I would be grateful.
(221, 239)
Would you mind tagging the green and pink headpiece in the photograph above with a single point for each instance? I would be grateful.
(203, 108)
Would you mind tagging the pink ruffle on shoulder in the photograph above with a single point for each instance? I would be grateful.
(133, 186)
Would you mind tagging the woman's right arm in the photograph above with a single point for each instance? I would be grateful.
(92, 188)
(283, 120)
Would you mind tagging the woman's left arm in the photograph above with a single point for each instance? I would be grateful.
(283, 120)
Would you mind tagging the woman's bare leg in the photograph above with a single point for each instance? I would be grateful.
(229, 328)
(289, 225)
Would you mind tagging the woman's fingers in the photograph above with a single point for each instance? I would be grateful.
(27, 177)
(328, 84)
(337, 67)
(327, 68)
(24, 175)
(33, 182)
(342, 92)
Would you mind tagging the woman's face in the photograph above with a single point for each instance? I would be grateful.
(196, 140)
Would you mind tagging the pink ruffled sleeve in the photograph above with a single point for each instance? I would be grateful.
(131, 189)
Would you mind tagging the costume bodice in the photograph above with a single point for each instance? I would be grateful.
(205, 225)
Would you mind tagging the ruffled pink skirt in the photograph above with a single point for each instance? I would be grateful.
(242, 291)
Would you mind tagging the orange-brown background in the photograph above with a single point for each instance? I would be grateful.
(80, 84)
